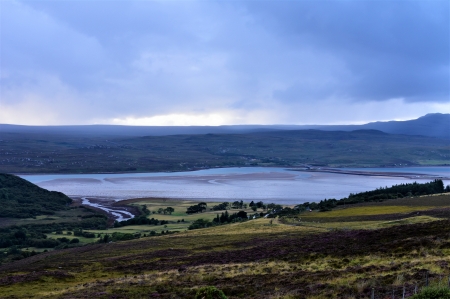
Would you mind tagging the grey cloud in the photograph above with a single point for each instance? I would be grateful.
(145, 58)
(393, 48)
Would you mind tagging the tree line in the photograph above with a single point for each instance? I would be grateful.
(140, 220)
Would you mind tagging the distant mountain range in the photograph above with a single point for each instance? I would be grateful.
(431, 125)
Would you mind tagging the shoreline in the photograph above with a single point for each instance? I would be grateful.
(293, 168)
(408, 175)
(111, 195)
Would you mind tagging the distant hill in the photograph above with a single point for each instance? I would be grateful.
(28, 153)
(22, 199)
(122, 131)
(432, 125)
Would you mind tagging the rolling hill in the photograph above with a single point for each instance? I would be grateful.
(432, 125)
(22, 199)
(40, 153)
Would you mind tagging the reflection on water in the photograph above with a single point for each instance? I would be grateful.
(227, 184)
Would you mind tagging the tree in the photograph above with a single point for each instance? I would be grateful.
(240, 214)
(224, 217)
(202, 206)
(222, 206)
(235, 205)
(198, 208)
(199, 223)
(272, 206)
(145, 210)
(160, 210)
(169, 210)
(20, 235)
(439, 186)
(217, 219)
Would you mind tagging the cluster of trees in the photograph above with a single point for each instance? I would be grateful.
(258, 205)
(198, 208)
(224, 218)
(327, 204)
(238, 205)
(22, 199)
(380, 194)
(67, 240)
(200, 223)
(145, 210)
(221, 206)
(226, 205)
(80, 233)
(227, 218)
(168, 210)
(396, 191)
(140, 220)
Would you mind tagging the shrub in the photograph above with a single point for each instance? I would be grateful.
(433, 293)
(209, 293)
(88, 235)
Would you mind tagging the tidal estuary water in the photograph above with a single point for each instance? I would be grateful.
(278, 185)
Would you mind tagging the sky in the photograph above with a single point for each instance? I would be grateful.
(67, 62)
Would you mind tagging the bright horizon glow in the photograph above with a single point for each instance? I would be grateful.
(367, 113)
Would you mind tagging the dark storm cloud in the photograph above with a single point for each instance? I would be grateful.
(392, 48)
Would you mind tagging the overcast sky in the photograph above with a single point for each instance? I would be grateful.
(222, 62)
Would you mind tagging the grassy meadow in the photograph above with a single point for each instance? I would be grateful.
(343, 253)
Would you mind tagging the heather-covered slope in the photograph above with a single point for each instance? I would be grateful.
(261, 258)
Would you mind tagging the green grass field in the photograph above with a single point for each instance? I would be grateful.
(340, 218)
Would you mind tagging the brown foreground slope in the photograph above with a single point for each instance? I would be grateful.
(254, 259)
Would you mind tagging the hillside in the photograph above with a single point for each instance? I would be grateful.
(389, 247)
(36, 153)
(22, 199)
(29, 214)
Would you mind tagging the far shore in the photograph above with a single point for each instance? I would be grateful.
(294, 168)
(407, 175)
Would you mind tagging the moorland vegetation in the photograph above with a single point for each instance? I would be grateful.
(380, 245)
(310, 255)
